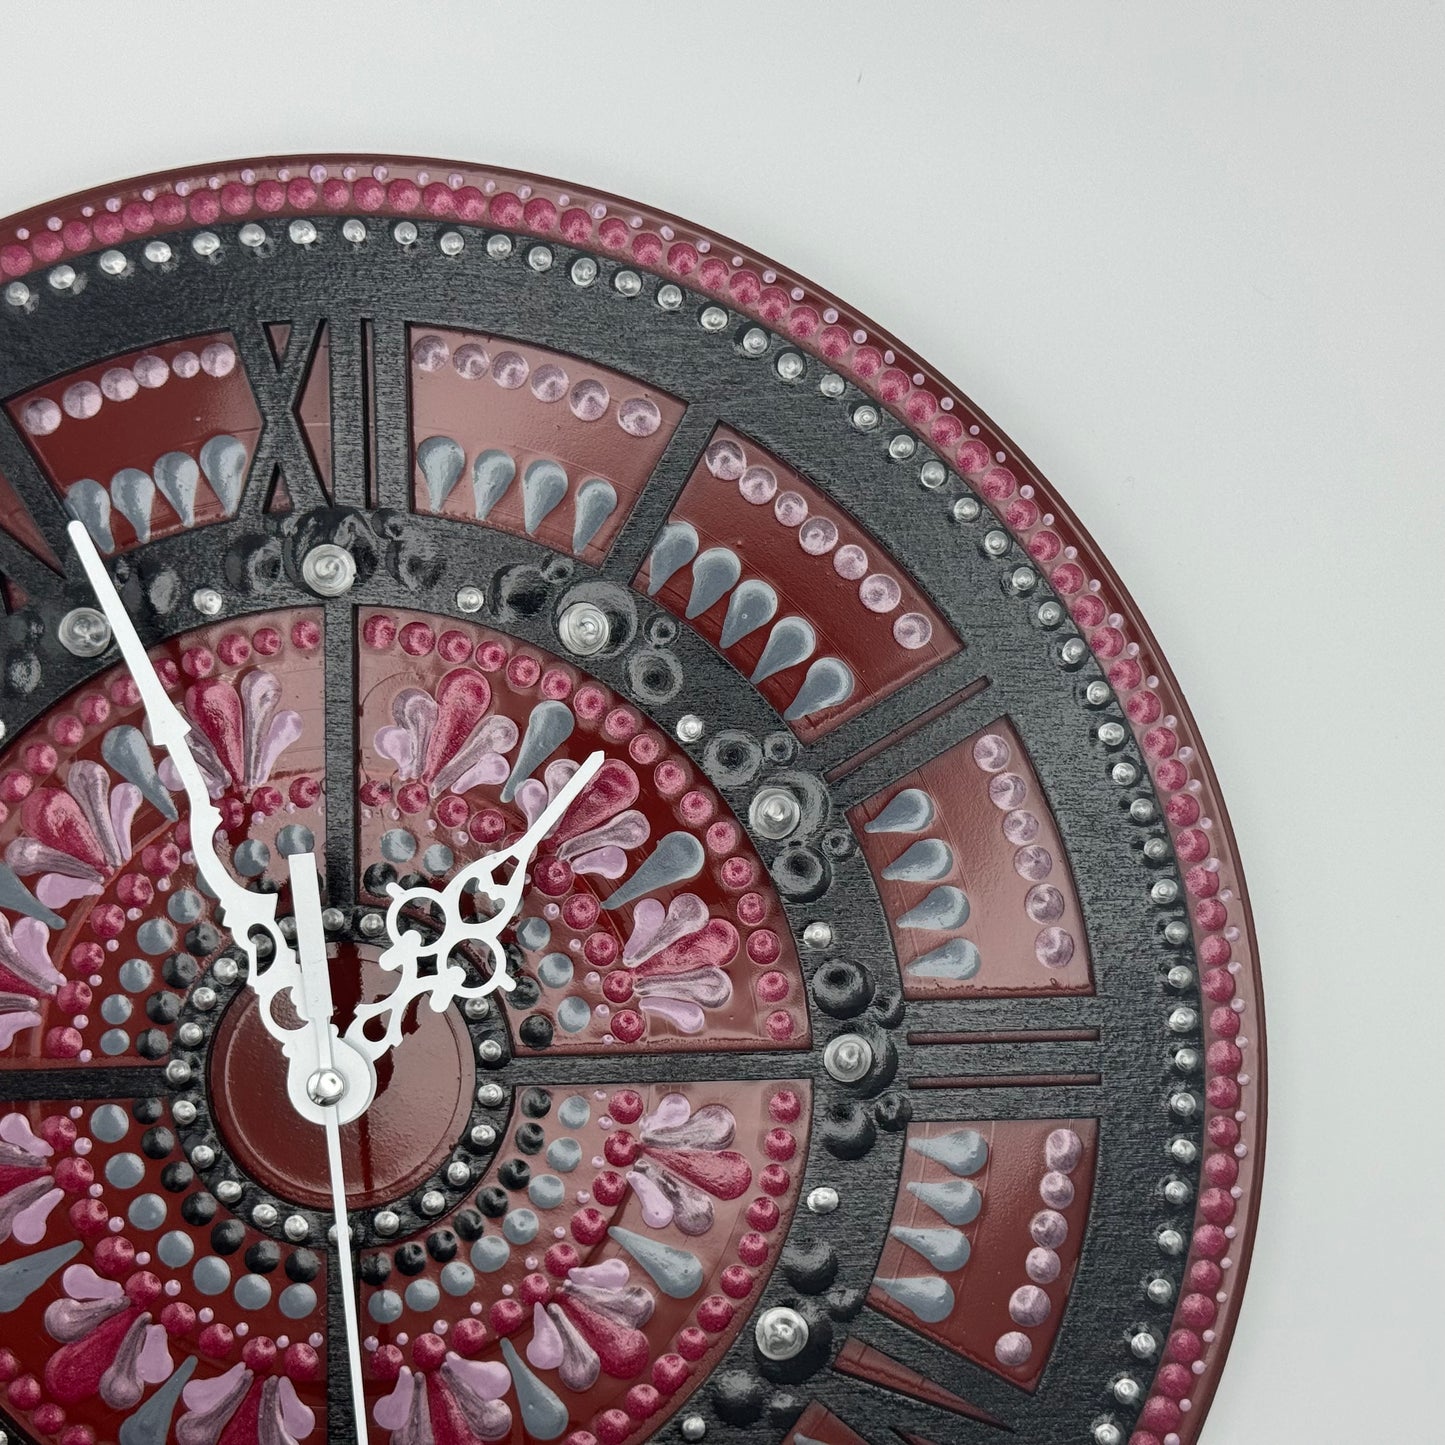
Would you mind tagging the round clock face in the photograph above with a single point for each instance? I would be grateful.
(789, 976)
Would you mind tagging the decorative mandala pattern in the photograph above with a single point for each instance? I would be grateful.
(881, 1056)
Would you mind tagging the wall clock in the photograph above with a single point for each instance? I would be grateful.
(539, 737)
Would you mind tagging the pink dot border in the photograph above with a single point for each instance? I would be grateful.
(817, 322)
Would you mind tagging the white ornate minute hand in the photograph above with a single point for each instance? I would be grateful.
(407, 948)
(239, 909)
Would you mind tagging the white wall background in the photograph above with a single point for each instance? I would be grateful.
(1191, 258)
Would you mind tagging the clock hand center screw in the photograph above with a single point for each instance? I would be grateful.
(326, 1087)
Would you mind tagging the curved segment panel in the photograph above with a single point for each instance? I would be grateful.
(147, 443)
(790, 589)
(973, 875)
(530, 441)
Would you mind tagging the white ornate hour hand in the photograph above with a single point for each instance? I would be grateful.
(447, 981)
(243, 912)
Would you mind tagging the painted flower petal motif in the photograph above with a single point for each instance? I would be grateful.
(210, 1404)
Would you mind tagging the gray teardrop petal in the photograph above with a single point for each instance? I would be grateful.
(962, 1151)
(946, 907)
(910, 812)
(549, 726)
(926, 861)
(223, 460)
(678, 1273)
(955, 1200)
(752, 605)
(713, 573)
(791, 641)
(89, 502)
(133, 492)
(958, 959)
(928, 1296)
(15, 896)
(127, 751)
(544, 1416)
(441, 461)
(178, 476)
(596, 502)
(829, 682)
(151, 1424)
(675, 547)
(22, 1277)
(677, 857)
(544, 484)
(945, 1249)
(492, 474)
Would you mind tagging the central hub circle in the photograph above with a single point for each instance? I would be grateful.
(326, 1086)
(423, 1102)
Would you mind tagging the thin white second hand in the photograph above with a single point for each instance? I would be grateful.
(316, 992)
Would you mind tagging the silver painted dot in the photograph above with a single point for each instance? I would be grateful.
(1156, 850)
(459, 1173)
(489, 1051)
(354, 231)
(1184, 1104)
(540, 258)
(627, 283)
(158, 253)
(1183, 1021)
(1073, 652)
(387, 1221)
(789, 365)
(1186, 1060)
(1098, 693)
(475, 1008)
(371, 924)
(113, 263)
(823, 1199)
(693, 1428)
(669, 297)
(1177, 1193)
(781, 1333)
(263, 1216)
(1186, 1151)
(690, 727)
(1142, 810)
(1024, 579)
(207, 601)
(17, 293)
(1176, 931)
(713, 318)
(296, 1227)
(302, 232)
(451, 243)
(252, 235)
(1125, 774)
(404, 233)
(333, 919)
(584, 271)
(1050, 613)
(62, 278)
(1164, 890)
(865, 417)
(183, 1111)
(755, 341)
(225, 970)
(499, 247)
(470, 599)
(966, 509)
(584, 629)
(933, 474)
(84, 632)
(328, 570)
(1171, 1241)
(1180, 976)
(1106, 1432)
(832, 385)
(228, 1191)
(1111, 734)
(848, 1058)
(1144, 1345)
(190, 1034)
(178, 1072)
(432, 1202)
(902, 447)
(995, 543)
(1127, 1391)
(490, 1095)
(483, 1136)
(774, 812)
(818, 934)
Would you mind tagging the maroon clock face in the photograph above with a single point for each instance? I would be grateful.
(869, 1043)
